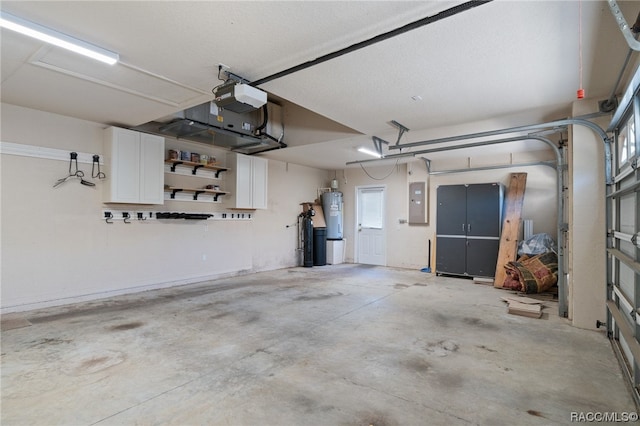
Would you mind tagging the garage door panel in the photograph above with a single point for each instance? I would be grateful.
(628, 248)
(627, 213)
(623, 225)
(627, 281)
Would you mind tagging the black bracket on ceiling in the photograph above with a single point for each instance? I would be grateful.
(427, 163)
(401, 129)
(377, 143)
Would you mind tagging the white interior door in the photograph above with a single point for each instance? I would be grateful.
(370, 230)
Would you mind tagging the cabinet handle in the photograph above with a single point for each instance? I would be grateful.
(469, 228)
(463, 227)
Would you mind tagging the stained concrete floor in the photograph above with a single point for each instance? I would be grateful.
(332, 345)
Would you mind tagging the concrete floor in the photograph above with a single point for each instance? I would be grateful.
(332, 345)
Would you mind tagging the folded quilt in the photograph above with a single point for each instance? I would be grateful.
(534, 274)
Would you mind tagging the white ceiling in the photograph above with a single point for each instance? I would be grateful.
(503, 58)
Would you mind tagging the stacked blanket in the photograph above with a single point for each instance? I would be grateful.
(534, 274)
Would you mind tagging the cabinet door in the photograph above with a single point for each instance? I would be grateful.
(151, 169)
(451, 210)
(482, 256)
(247, 181)
(123, 146)
(451, 255)
(259, 182)
(244, 182)
(135, 171)
(483, 210)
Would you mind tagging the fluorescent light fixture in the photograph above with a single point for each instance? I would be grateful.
(369, 152)
(48, 35)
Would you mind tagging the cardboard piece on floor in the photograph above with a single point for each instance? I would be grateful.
(525, 310)
(523, 306)
(521, 299)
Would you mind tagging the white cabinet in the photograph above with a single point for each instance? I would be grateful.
(247, 181)
(134, 166)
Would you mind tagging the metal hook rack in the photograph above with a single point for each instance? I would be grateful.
(111, 216)
(74, 172)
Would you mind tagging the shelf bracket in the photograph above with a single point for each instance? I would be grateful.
(195, 168)
(195, 195)
(218, 173)
(215, 197)
(173, 193)
(173, 166)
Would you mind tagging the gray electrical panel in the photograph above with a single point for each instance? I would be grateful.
(418, 209)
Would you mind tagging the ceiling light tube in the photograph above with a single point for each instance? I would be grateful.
(369, 152)
(48, 35)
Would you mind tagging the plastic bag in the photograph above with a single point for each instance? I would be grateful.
(537, 244)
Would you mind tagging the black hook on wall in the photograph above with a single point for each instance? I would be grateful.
(108, 216)
(99, 175)
(126, 216)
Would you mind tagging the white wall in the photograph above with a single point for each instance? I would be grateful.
(56, 248)
(587, 222)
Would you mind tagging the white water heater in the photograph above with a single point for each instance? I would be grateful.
(332, 207)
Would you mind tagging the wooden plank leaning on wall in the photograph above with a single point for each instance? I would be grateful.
(508, 250)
